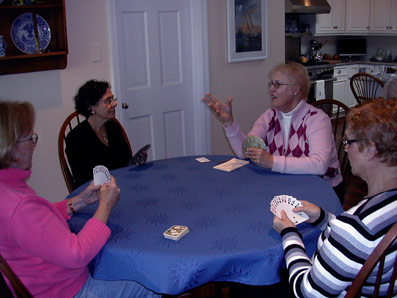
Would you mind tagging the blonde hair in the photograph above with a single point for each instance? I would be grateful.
(297, 72)
(376, 122)
(16, 120)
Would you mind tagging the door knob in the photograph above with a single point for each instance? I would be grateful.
(124, 105)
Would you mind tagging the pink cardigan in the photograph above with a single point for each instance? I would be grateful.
(36, 241)
(315, 126)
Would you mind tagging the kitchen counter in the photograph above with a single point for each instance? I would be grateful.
(366, 62)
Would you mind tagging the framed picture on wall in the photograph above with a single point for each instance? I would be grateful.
(246, 30)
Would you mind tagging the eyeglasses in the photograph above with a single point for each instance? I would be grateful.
(277, 84)
(346, 143)
(34, 138)
(108, 101)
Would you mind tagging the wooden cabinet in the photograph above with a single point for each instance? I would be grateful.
(55, 55)
(383, 16)
(341, 88)
(357, 16)
(334, 22)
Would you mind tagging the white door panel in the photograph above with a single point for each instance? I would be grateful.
(155, 70)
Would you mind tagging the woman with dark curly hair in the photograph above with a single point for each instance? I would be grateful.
(98, 140)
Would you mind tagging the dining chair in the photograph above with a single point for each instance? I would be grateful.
(70, 122)
(19, 288)
(337, 112)
(365, 87)
(376, 257)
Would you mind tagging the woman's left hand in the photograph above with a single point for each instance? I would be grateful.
(260, 157)
(90, 194)
(280, 224)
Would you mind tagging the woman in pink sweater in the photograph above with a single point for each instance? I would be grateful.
(298, 136)
(35, 238)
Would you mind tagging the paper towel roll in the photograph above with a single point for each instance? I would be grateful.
(320, 89)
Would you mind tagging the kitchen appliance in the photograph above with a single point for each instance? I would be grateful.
(320, 73)
(307, 6)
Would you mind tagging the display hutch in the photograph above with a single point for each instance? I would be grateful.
(54, 56)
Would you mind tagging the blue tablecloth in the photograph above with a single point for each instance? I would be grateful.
(231, 236)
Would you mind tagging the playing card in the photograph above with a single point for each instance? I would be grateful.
(252, 142)
(176, 232)
(202, 159)
(287, 203)
(101, 175)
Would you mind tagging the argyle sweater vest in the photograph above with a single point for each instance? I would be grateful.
(297, 142)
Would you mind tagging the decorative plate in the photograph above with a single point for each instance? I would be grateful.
(252, 142)
(23, 33)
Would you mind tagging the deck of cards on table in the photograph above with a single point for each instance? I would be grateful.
(252, 142)
(287, 203)
(101, 175)
(176, 232)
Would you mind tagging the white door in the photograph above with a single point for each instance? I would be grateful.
(160, 73)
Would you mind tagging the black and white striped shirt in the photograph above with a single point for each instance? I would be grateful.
(344, 245)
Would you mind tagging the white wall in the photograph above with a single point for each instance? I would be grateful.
(51, 92)
(245, 81)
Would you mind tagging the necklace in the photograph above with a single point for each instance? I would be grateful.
(105, 137)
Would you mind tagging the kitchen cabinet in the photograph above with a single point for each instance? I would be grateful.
(383, 16)
(357, 16)
(341, 88)
(334, 22)
(54, 56)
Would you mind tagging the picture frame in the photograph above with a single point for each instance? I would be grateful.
(246, 30)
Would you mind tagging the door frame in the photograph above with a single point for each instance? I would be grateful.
(200, 72)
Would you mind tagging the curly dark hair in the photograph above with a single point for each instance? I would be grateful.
(88, 95)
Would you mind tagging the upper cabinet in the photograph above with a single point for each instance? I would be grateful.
(357, 16)
(334, 22)
(383, 16)
(42, 23)
(352, 17)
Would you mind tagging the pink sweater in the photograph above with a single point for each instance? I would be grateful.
(310, 149)
(36, 241)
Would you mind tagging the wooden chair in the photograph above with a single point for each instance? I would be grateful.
(377, 256)
(365, 87)
(337, 112)
(19, 288)
(70, 122)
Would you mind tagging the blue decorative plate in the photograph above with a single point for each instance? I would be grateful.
(23, 37)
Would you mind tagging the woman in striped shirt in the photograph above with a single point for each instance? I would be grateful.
(348, 239)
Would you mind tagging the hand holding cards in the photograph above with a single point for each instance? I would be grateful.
(140, 157)
(287, 203)
(101, 175)
(252, 142)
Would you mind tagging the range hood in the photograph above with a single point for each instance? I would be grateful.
(307, 6)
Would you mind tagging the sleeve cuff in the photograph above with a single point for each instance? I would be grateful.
(320, 219)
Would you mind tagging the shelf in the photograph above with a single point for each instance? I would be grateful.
(55, 55)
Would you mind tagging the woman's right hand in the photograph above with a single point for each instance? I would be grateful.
(109, 195)
(223, 110)
(313, 211)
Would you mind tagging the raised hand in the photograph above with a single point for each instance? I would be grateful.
(223, 110)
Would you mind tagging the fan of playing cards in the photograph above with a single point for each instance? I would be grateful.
(252, 142)
(101, 175)
(287, 203)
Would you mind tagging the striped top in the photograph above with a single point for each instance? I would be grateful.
(344, 245)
